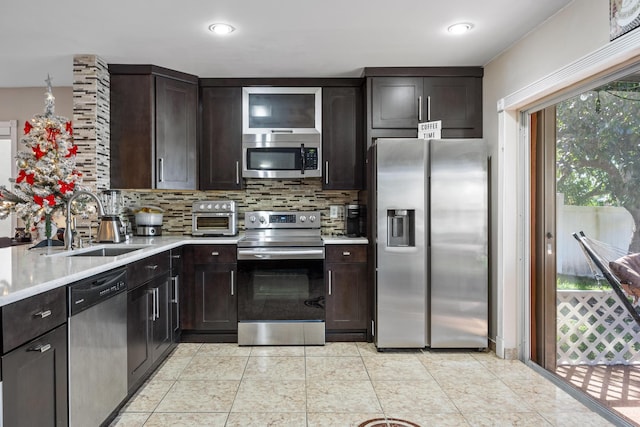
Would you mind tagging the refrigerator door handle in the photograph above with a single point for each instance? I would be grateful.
(420, 108)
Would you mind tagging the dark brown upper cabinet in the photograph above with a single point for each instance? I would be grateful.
(400, 98)
(221, 138)
(153, 128)
(342, 138)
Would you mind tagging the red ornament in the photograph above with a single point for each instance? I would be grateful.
(52, 133)
(64, 187)
(22, 175)
(72, 151)
(38, 152)
(68, 127)
(39, 200)
(27, 127)
(51, 200)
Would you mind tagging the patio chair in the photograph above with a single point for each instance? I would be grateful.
(618, 267)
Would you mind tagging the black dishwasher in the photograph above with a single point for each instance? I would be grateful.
(97, 347)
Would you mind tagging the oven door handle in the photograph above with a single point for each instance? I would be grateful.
(269, 254)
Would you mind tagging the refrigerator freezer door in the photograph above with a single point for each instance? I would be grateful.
(459, 244)
(401, 247)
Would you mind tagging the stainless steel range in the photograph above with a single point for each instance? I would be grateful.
(281, 279)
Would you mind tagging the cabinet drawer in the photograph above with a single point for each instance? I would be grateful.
(141, 271)
(208, 254)
(24, 320)
(346, 253)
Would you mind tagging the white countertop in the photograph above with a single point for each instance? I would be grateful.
(27, 272)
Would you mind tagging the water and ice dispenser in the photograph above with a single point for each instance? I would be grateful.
(401, 227)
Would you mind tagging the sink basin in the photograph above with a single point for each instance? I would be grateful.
(100, 251)
(105, 252)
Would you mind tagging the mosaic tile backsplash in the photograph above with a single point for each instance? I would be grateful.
(259, 194)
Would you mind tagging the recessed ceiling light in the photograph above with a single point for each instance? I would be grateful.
(460, 28)
(221, 29)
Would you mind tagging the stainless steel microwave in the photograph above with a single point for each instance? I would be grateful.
(266, 158)
(281, 110)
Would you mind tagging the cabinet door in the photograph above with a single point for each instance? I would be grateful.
(217, 307)
(457, 101)
(34, 378)
(175, 120)
(221, 138)
(346, 306)
(342, 139)
(139, 333)
(131, 124)
(161, 324)
(395, 102)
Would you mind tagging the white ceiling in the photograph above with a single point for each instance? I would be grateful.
(274, 38)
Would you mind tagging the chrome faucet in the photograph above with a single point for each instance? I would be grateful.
(68, 233)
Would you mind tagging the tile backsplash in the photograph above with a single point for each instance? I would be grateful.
(259, 194)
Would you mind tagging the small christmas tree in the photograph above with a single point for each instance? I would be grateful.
(47, 174)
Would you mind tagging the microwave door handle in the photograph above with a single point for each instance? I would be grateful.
(281, 130)
(302, 163)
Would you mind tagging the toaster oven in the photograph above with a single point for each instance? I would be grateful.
(214, 218)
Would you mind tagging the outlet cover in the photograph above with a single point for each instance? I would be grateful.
(334, 211)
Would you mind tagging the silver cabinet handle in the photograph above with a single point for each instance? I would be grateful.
(42, 314)
(40, 348)
(429, 107)
(176, 289)
(326, 172)
(232, 284)
(157, 303)
(330, 282)
(346, 253)
(215, 253)
(420, 108)
(177, 256)
(160, 169)
(153, 304)
(151, 266)
(237, 172)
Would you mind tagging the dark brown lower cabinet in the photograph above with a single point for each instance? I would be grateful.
(34, 382)
(347, 308)
(149, 333)
(209, 304)
(218, 307)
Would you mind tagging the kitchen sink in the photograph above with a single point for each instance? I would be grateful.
(105, 252)
(100, 251)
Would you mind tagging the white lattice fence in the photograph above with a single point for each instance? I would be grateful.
(595, 329)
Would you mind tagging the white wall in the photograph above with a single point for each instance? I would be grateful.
(573, 33)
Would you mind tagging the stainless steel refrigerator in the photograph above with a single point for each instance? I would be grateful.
(431, 244)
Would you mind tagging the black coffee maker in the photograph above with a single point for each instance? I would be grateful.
(354, 220)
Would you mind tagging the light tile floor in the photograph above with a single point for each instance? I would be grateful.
(346, 384)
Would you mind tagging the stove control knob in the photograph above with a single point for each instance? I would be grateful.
(209, 206)
(262, 220)
(202, 207)
(217, 206)
(224, 206)
(252, 218)
(312, 218)
(303, 218)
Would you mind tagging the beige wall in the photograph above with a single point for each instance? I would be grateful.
(23, 103)
(574, 33)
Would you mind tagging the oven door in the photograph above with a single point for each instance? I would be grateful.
(212, 224)
(280, 301)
